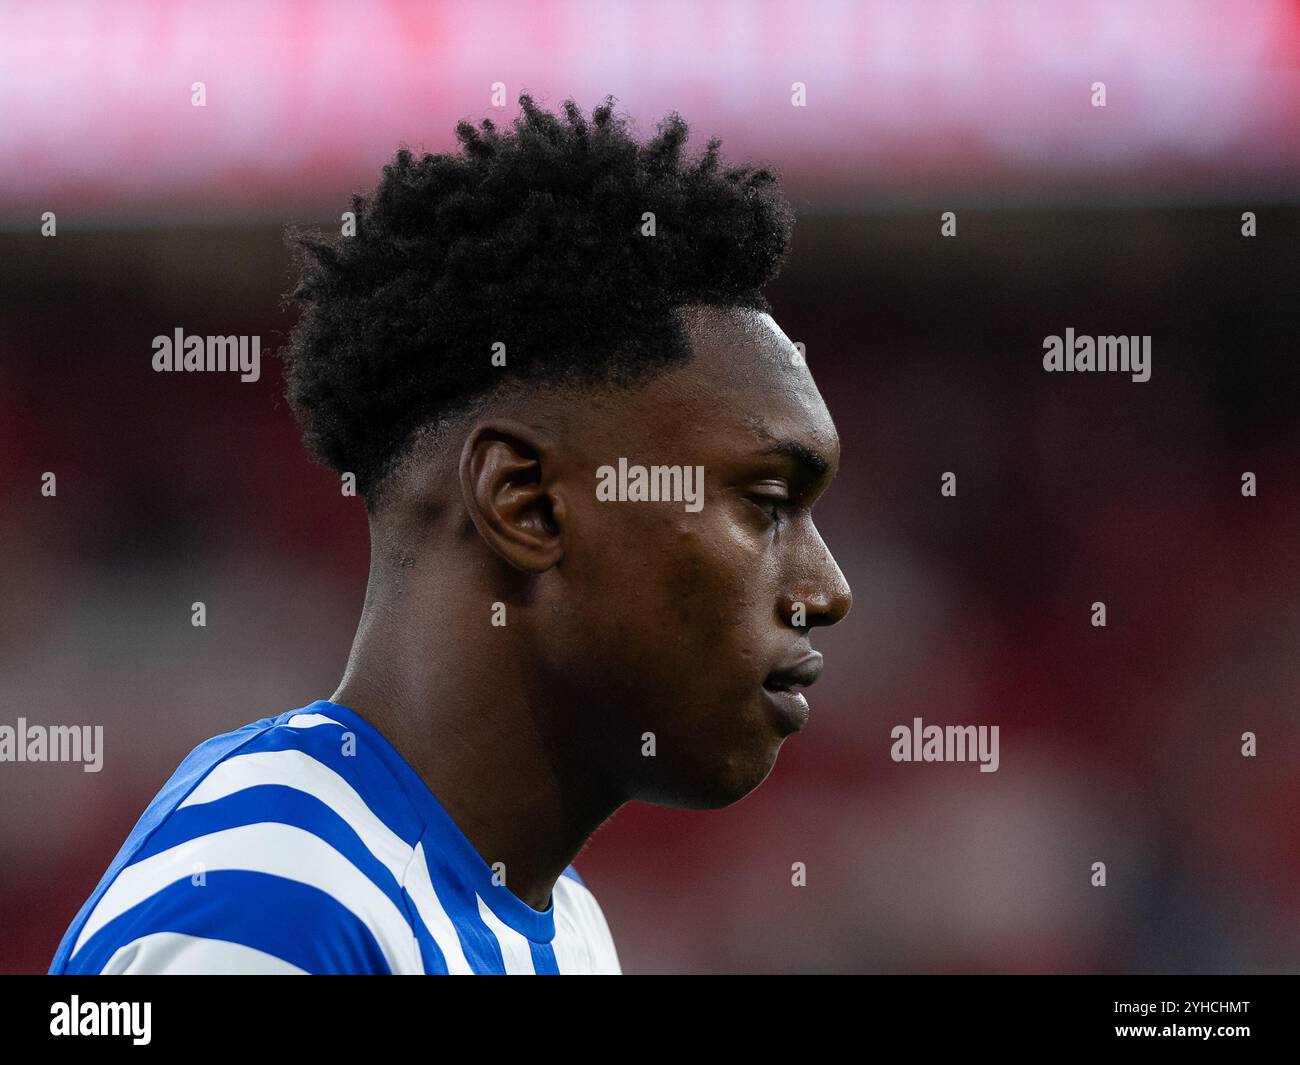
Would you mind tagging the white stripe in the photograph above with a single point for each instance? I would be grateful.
(573, 956)
(434, 915)
(583, 944)
(277, 850)
(294, 769)
(311, 721)
(515, 951)
(176, 954)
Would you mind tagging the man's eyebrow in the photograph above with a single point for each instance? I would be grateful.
(815, 462)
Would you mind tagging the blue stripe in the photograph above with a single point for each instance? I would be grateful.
(266, 912)
(459, 900)
(430, 953)
(544, 962)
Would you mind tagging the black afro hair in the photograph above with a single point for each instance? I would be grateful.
(533, 238)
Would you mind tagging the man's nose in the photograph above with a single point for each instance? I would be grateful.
(824, 595)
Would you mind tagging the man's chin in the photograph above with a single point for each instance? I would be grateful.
(727, 781)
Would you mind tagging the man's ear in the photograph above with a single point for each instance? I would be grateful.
(505, 482)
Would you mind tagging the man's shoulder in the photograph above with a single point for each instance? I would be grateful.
(305, 820)
(302, 771)
(287, 819)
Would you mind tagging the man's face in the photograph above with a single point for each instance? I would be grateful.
(675, 629)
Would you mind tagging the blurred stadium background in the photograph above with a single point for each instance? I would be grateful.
(1119, 744)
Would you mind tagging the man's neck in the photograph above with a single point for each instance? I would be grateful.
(465, 725)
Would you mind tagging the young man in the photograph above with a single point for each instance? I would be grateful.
(589, 457)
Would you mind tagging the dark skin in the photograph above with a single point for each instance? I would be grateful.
(622, 618)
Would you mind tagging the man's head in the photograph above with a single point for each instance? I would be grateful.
(506, 330)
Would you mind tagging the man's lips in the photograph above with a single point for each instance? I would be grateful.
(802, 673)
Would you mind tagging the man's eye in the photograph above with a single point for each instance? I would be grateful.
(774, 506)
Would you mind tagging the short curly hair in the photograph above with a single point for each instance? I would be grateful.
(533, 238)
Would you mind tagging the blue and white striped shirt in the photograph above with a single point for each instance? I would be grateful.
(305, 843)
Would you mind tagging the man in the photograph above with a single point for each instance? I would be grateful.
(588, 456)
